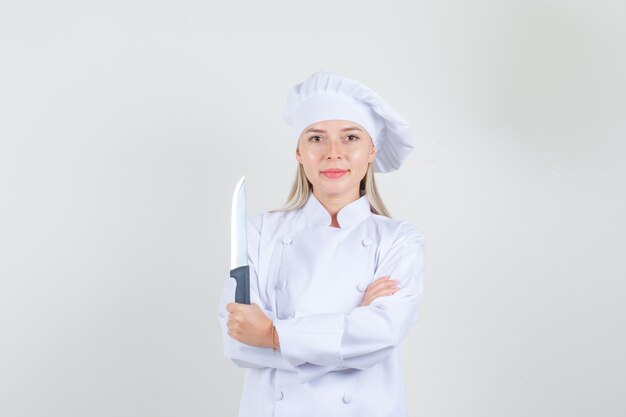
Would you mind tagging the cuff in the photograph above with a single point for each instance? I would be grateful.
(315, 339)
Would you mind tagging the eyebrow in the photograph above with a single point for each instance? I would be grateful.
(343, 130)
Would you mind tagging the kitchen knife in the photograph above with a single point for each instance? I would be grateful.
(239, 268)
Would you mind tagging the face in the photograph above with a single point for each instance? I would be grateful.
(335, 155)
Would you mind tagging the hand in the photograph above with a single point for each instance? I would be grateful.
(380, 287)
(249, 324)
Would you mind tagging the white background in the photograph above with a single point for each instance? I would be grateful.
(125, 125)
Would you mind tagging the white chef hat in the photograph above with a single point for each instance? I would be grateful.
(327, 96)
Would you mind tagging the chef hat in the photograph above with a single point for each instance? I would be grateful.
(327, 96)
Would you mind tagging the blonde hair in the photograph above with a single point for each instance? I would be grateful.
(302, 189)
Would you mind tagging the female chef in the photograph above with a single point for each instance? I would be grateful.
(334, 281)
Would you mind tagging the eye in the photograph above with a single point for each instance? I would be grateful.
(352, 138)
(315, 138)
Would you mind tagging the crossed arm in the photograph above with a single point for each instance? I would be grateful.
(248, 323)
(320, 343)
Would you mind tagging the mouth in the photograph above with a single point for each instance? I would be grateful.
(334, 173)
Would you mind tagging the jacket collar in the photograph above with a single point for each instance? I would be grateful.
(349, 215)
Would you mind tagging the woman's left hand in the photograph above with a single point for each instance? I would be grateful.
(249, 324)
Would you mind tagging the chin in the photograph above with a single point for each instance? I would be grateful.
(336, 191)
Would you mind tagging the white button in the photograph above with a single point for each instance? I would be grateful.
(361, 286)
(381, 307)
(347, 399)
(278, 395)
(281, 284)
(367, 242)
(287, 240)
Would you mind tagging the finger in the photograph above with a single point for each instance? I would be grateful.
(383, 284)
(383, 292)
(257, 308)
(380, 287)
(371, 297)
(367, 300)
(232, 317)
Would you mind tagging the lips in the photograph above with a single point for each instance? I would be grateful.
(334, 172)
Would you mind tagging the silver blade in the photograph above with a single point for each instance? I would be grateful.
(239, 227)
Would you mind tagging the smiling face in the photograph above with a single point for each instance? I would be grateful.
(335, 155)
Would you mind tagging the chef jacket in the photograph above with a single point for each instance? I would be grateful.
(335, 358)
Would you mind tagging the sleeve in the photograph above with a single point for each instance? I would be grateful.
(322, 343)
(241, 354)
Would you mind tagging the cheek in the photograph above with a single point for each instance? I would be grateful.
(360, 156)
(307, 159)
(308, 155)
(308, 162)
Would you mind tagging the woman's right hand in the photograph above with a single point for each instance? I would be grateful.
(380, 287)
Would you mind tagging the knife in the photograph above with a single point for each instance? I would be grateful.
(239, 268)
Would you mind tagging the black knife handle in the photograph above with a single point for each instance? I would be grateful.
(242, 291)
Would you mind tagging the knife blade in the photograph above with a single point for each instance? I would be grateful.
(239, 269)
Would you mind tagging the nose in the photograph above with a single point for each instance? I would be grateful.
(334, 151)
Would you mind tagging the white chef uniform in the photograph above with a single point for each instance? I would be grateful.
(335, 358)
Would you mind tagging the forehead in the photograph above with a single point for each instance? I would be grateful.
(333, 125)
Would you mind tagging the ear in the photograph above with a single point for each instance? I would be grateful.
(298, 156)
(372, 154)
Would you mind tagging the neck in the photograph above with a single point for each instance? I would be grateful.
(334, 203)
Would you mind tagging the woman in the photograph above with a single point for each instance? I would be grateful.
(334, 281)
